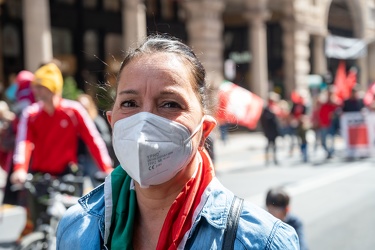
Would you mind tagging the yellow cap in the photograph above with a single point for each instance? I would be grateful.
(50, 77)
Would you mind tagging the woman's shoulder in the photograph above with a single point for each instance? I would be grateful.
(73, 215)
(259, 228)
(82, 220)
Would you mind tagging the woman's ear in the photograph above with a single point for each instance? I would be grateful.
(109, 116)
(209, 124)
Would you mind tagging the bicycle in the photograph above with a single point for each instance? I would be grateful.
(50, 197)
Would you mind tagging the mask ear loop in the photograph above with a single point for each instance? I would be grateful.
(195, 131)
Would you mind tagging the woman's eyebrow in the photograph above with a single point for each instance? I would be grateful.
(173, 92)
(128, 91)
(168, 92)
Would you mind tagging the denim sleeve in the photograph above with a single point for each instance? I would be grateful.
(258, 229)
(78, 230)
(283, 236)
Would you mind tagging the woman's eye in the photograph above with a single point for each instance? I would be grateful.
(128, 104)
(171, 105)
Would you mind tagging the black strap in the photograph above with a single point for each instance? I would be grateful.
(232, 223)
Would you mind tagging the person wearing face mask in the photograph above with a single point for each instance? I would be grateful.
(164, 194)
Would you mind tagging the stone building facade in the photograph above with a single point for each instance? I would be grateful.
(275, 44)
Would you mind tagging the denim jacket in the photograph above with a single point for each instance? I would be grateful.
(82, 227)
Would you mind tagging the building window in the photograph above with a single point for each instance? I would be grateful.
(111, 5)
(163, 9)
(151, 7)
(113, 44)
(11, 41)
(68, 2)
(14, 8)
(90, 4)
(90, 45)
(62, 42)
(167, 9)
(113, 55)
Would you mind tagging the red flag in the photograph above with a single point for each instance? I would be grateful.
(340, 81)
(238, 105)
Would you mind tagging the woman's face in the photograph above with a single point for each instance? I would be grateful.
(161, 84)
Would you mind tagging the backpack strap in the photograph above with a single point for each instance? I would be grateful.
(232, 223)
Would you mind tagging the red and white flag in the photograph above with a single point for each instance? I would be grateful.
(238, 105)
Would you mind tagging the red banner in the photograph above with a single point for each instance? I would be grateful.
(358, 136)
(238, 105)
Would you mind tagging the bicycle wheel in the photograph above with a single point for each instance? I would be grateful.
(33, 241)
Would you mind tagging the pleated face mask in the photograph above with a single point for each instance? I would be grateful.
(152, 149)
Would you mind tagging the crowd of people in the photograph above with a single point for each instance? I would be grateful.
(292, 119)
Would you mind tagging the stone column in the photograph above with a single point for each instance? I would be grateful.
(205, 27)
(37, 33)
(296, 56)
(2, 85)
(363, 76)
(258, 44)
(288, 58)
(320, 61)
(133, 22)
(371, 61)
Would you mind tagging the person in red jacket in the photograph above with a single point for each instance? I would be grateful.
(326, 113)
(48, 131)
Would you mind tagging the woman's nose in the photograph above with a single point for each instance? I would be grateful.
(149, 107)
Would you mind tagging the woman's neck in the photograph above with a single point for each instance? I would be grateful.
(150, 218)
(153, 206)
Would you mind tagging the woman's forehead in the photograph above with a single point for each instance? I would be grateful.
(157, 66)
(158, 60)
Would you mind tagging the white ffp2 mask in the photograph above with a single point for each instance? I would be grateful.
(152, 149)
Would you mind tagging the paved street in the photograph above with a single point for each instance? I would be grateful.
(334, 198)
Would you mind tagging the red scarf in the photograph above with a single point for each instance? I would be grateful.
(180, 216)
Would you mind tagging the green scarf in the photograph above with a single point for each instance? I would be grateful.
(123, 211)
